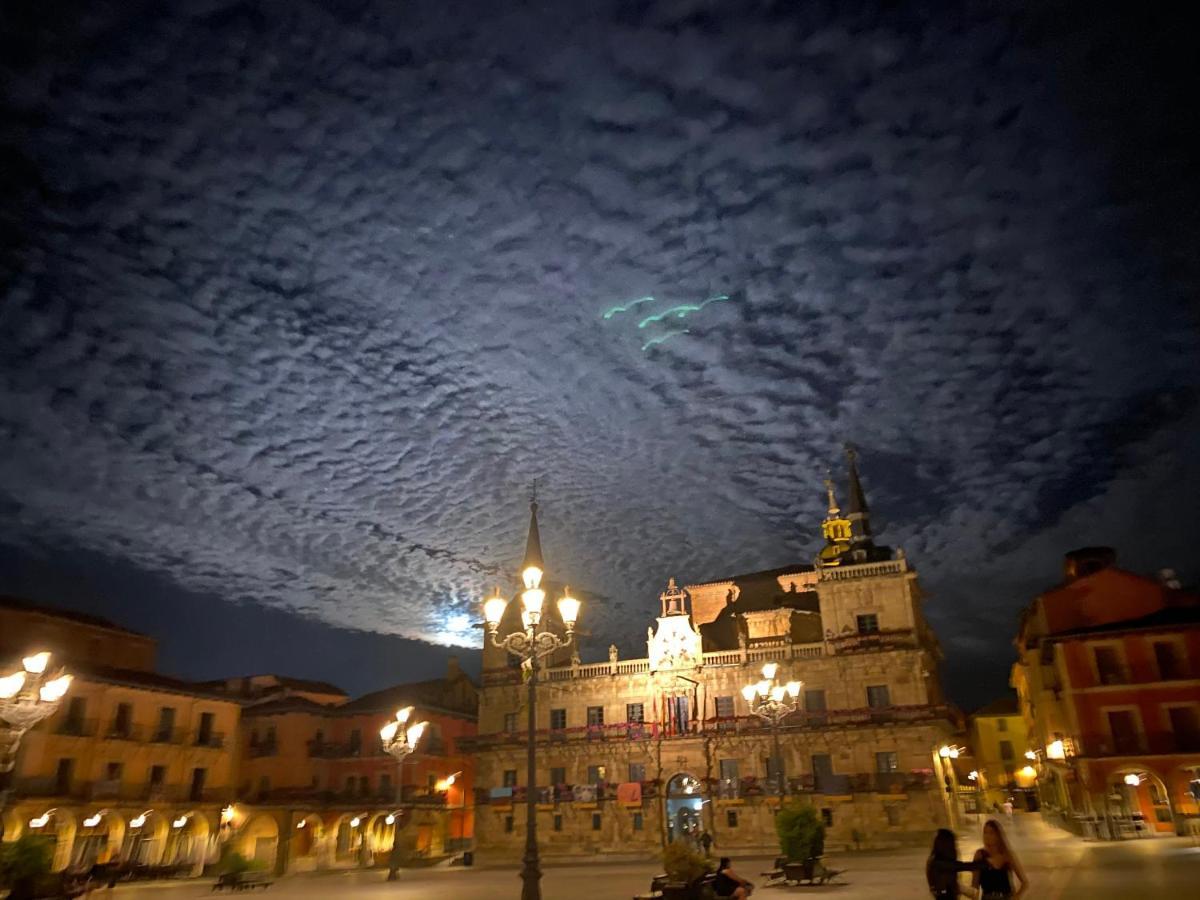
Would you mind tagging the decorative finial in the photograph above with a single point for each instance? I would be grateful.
(533, 493)
(851, 451)
(833, 507)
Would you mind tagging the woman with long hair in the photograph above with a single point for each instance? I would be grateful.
(943, 866)
(998, 865)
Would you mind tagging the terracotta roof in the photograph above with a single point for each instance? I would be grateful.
(282, 705)
(1183, 615)
(83, 618)
(154, 681)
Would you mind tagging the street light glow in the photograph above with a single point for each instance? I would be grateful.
(10, 685)
(36, 664)
(53, 691)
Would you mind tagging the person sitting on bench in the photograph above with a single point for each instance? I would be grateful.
(729, 884)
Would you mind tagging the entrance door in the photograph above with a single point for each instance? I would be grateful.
(679, 715)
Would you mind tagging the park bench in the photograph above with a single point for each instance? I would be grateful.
(242, 881)
(798, 873)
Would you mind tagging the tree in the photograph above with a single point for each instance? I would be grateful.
(24, 863)
(801, 831)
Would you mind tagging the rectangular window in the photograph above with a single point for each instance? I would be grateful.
(1108, 665)
(1185, 725)
(1170, 666)
(814, 700)
(637, 771)
(271, 736)
(827, 817)
(199, 777)
(1006, 750)
(364, 785)
(868, 624)
(729, 770)
(508, 824)
(351, 781)
(878, 696)
(635, 712)
(731, 818)
(1123, 727)
(595, 715)
(385, 785)
(558, 822)
(112, 772)
(558, 718)
(886, 761)
(76, 713)
(63, 776)
(892, 810)
(122, 720)
(166, 724)
(204, 734)
(558, 775)
(725, 708)
(264, 785)
(595, 821)
(355, 741)
(158, 774)
(510, 722)
(510, 777)
(638, 822)
(595, 774)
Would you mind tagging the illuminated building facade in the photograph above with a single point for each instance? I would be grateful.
(635, 753)
(998, 742)
(134, 765)
(1108, 677)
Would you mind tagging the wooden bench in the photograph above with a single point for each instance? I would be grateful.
(795, 873)
(243, 881)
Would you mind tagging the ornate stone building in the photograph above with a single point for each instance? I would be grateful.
(634, 753)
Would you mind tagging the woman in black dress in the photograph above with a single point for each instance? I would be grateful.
(998, 865)
(943, 866)
(729, 884)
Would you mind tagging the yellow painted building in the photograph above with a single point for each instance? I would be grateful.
(134, 767)
(998, 742)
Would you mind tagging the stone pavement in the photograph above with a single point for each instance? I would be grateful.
(1060, 867)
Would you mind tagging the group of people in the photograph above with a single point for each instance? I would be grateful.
(993, 868)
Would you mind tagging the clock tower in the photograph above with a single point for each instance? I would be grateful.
(676, 643)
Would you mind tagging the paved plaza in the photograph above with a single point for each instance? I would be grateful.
(1060, 866)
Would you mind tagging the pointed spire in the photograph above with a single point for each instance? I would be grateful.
(833, 506)
(533, 543)
(858, 512)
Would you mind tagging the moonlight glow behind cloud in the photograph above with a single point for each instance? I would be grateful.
(304, 299)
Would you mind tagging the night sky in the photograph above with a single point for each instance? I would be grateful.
(298, 299)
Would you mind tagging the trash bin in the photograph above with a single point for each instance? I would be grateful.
(468, 857)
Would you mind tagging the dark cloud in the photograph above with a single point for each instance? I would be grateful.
(300, 299)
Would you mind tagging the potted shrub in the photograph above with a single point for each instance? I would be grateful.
(25, 867)
(685, 870)
(801, 834)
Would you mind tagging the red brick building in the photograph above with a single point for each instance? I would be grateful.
(1108, 676)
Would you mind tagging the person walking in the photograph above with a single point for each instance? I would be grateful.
(1008, 810)
(998, 865)
(706, 842)
(943, 866)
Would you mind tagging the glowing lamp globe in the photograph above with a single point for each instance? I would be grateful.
(54, 690)
(568, 609)
(493, 609)
(777, 692)
(769, 670)
(388, 732)
(415, 732)
(10, 685)
(749, 692)
(402, 715)
(531, 577)
(36, 664)
(793, 688)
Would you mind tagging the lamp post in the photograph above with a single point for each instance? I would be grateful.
(27, 696)
(529, 645)
(770, 700)
(399, 741)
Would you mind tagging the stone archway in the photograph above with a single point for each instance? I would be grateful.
(145, 838)
(98, 839)
(685, 798)
(188, 841)
(1137, 800)
(258, 840)
(59, 827)
(307, 848)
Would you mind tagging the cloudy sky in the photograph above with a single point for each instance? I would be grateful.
(299, 297)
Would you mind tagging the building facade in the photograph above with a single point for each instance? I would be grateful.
(1108, 677)
(134, 765)
(634, 753)
(317, 790)
(998, 742)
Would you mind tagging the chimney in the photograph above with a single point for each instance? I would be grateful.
(1086, 560)
(453, 669)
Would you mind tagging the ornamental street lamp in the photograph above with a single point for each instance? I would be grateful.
(770, 700)
(399, 740)
(529, 645)
(27, 696)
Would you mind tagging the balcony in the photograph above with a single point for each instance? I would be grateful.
(1155, 743)
(76, 727)
(725, 725)
(124, 732)
(108, 789)
(167, 736)
(330, 750)
(266, 748)
(214, 740)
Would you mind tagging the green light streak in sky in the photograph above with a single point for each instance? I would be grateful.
(662, 337)
(628, 306)
(680, 311)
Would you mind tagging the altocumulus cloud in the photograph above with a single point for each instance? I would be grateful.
(301, 296)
